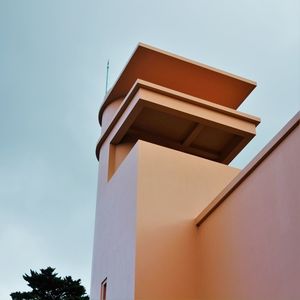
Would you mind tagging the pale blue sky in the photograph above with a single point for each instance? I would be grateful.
(52, 78)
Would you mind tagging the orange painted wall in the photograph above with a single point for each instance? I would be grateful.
(249, 247)
(173, 187)
(146, 242)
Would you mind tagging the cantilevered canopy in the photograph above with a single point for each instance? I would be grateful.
(179, 121)
(182, 75)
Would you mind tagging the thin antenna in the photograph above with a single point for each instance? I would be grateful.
(107, 70)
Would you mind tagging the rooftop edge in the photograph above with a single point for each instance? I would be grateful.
(247, 171)
(147, 63)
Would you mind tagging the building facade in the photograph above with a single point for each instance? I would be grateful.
(173, 220)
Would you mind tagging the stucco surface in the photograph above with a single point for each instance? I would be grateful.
(173, 187)
(248, 248)
(109, 113)
(115, 229)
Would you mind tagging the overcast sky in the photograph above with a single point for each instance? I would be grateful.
(52, 79)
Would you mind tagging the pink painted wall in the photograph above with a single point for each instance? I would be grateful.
(109, 113)
(249, 247)
(115, 227)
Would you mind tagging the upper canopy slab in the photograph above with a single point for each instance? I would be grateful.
(180, 74)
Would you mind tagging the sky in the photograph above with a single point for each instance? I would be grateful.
(53, 57)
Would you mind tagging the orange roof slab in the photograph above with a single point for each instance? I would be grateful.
(180, 74)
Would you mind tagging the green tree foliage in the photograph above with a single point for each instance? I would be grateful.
(46, 285)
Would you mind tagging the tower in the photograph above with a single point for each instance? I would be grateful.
(170, 127)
